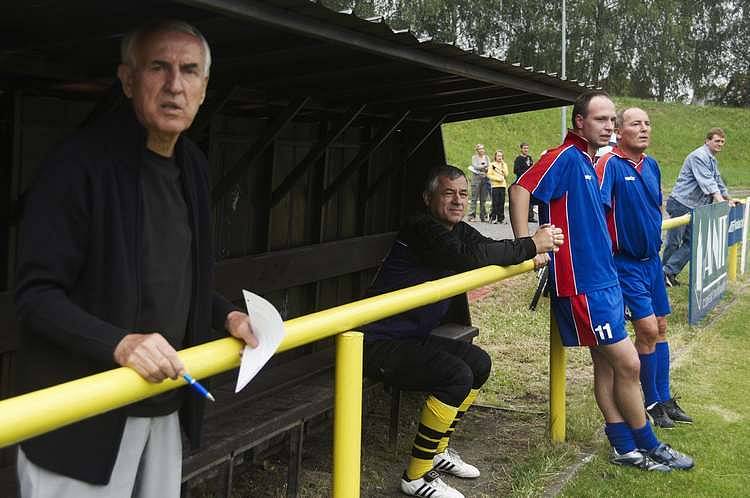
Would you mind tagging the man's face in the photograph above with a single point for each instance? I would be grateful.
(480, 151)
(525, 150)
(715, 143)
(598, 124)
(168, 83)
(635, 133)
(448, 203)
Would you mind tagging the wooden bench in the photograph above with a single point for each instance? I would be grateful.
(280, 400)
(287, 396)
(294, 389)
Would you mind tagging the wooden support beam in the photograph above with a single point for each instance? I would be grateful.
(364, 155)
(257, 149)
(388, 171)
(502, 110)
(315, 153)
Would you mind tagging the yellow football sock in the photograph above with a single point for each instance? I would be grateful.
(443, 444)
(435, 419)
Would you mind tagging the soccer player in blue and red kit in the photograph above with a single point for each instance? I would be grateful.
(630, 183)
(586, 297)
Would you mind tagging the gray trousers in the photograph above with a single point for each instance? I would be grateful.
(148, 464)
(480, 187)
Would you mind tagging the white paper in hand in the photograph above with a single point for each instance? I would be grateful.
(268, 328)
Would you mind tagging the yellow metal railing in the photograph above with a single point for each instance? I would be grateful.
(41, 411)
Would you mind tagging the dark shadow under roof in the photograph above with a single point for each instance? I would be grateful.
(268, 52)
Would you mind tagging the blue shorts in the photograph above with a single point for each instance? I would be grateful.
(643, 288)
(592, 319)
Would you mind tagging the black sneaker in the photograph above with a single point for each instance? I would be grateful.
(659, 416)
(637, 459)
(675, 412)
(665, 455)
(671, 280)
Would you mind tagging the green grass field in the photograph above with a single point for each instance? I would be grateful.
(710, 373)
(712, 377)
(677, 130)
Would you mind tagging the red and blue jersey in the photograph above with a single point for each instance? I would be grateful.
(631, 192)
(565, 179)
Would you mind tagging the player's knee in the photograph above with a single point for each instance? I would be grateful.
(647, 334)
(661, 323)
(481, 366)
(629, 368)
(456, 382)
(463, 377)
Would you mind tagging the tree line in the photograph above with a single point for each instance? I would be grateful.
(694, 51)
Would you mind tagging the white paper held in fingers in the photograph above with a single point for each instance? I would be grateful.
(268, 327)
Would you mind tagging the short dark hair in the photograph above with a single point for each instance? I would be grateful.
(581, 105)
(523, 144)
(431, 183)
(715, 131)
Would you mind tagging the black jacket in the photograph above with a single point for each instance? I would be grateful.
(79, 276)
(426, 250)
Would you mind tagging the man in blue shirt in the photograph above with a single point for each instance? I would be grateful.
(586, 298)
(630, 183)
(699, 183)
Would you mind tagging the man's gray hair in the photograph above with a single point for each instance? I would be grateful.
(131, 40)
(431, 184)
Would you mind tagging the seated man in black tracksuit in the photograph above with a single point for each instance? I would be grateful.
(400, 351)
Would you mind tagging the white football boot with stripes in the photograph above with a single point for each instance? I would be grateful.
(450, 462)
(429, 486)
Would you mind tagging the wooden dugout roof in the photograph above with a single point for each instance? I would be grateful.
(266, 53)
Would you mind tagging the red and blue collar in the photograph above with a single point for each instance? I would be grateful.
(637, 165)
(578, 141)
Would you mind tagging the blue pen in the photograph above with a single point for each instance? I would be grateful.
(198, 387)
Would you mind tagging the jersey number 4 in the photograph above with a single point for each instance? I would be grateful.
(604, 331)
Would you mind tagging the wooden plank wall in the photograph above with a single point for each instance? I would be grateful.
(244, 225)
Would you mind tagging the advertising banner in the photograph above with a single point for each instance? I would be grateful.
(708, 259)
(736, 224)
(743, 253)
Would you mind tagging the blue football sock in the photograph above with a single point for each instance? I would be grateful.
(662, 371)
(620, 437)
(648, 378)
(645, 437)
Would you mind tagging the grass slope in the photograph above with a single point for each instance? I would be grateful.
(677, 130)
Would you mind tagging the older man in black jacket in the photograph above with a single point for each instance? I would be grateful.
(400, 350)
(116, 269)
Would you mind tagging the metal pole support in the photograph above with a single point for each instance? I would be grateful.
(557, 360)
(347, 415)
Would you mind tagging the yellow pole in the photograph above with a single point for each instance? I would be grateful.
(675, 222)
(347, 415)
(40, 411)
(732, 263)
(556, 383)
